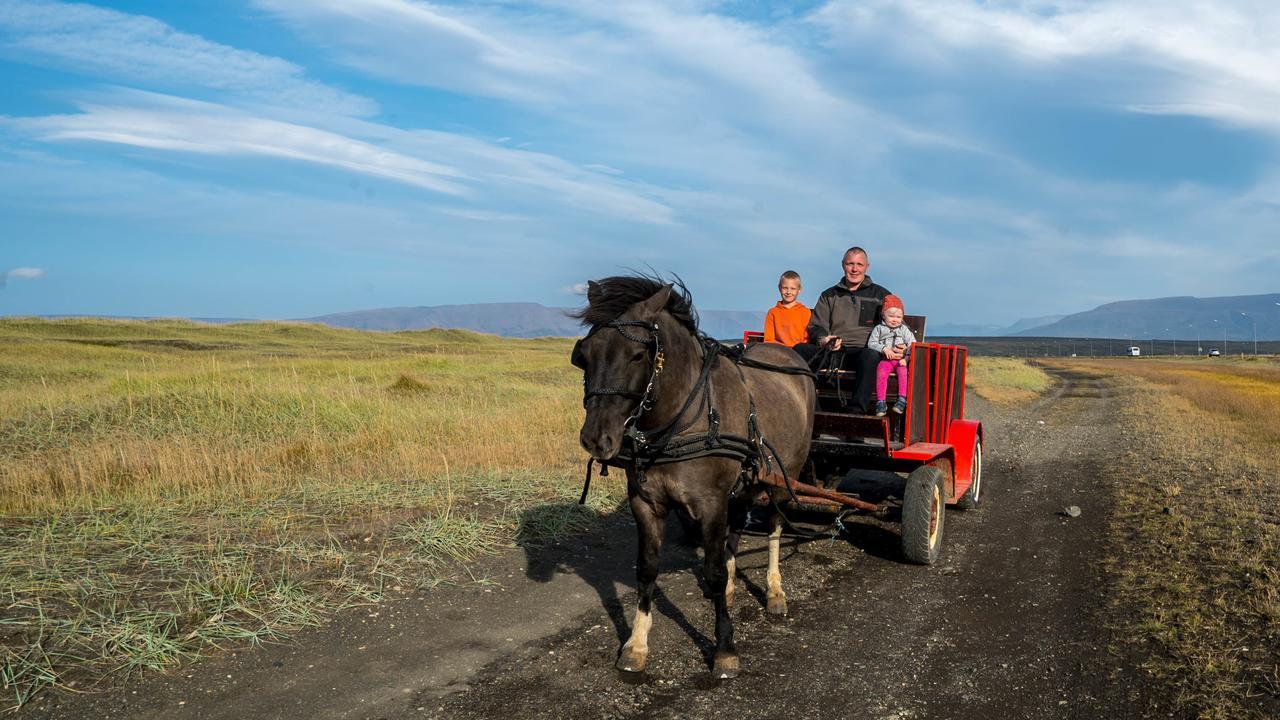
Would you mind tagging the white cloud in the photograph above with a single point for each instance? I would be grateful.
(142, 50)
(22, 273)
(167, 123)
(422, 44)
(1214, 60)
(442, 162)
(25, 273)
(645, 77)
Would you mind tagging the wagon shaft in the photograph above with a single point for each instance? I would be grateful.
(807, 492)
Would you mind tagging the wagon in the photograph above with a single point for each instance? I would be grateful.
(931, 443)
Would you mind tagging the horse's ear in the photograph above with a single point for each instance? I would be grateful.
(658, 301)
(594, 293)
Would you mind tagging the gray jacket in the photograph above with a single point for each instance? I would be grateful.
(847, 313)
(883, 336)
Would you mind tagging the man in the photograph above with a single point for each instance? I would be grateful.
(842, 320)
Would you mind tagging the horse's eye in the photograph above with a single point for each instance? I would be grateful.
(578, 358)
(639, 356)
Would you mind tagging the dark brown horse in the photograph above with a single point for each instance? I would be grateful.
(693, 427)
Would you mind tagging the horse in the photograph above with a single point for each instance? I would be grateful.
(694, 427)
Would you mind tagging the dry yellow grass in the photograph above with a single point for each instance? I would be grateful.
(1006, 381)
(1196, 531)
(93, 417)
(167, 486)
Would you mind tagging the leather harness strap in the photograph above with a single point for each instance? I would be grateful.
(666, 443)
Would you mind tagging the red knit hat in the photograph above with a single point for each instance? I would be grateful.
(892, 301)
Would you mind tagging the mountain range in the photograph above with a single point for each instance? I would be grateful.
(513, 320)
(1188, 318)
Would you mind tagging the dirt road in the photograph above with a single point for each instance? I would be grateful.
(1006, 625)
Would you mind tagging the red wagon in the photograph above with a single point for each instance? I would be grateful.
(932, 443)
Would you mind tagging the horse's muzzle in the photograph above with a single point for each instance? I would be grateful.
(598, 442)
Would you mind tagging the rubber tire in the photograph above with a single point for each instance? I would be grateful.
(923, 512)
(971, 497)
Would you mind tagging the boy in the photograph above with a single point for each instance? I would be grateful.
(893, 340)
(787, 322)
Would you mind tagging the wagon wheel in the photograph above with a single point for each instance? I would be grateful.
(973, 495)
(923, 506)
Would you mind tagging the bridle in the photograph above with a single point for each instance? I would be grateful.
(656, 359)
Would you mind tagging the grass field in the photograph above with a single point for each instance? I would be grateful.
(167, 486)
(1006, 381)
(1195, 533)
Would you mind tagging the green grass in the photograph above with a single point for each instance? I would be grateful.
(169, 487)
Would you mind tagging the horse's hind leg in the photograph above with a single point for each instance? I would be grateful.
(775, 598)
(649, 526)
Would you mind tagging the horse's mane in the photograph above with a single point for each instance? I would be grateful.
(614, 295)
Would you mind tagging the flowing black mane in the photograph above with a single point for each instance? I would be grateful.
(612, 296)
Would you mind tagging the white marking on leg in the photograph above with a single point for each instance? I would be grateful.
(732, 566)
(637, 647)
(773, 579)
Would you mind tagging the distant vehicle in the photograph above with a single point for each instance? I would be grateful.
(1135, 351)
(1214, 352)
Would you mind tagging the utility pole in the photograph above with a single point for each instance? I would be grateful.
(1255, 332)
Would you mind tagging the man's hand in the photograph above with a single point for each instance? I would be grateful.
(832, 341)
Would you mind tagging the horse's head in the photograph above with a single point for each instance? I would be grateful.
(621, 359)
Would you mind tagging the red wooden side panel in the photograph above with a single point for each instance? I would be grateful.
(963, 436)
(937, 391)
(752, 336)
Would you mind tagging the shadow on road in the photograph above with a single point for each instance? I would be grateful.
(604, 558)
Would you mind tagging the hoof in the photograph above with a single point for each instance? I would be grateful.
(776, 604)
(725, 667)
(631, 662)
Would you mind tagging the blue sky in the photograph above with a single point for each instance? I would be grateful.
(287, 158)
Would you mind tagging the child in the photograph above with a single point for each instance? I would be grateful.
(787, 322)
(893, 340)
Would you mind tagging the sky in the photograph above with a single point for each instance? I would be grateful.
(999, 159)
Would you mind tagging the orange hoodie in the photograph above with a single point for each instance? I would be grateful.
(787, 325)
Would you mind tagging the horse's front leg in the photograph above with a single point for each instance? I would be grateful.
(649, 527)
(737, 521)
(714, 537)
(775, 598)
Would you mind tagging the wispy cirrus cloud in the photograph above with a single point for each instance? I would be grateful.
(125, 48)
(163, 122)
(441, 162)
(1213, 60)
(652, 73)
(424, 44)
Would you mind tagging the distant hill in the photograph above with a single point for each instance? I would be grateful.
(1028, 323)
(1183, 318)
(959, 330)
(1186, 318)
(512, 320)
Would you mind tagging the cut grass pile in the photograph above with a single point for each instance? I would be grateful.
(1006, 381)
(167, 486)
(1196, 531)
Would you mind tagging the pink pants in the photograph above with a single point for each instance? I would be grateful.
(884, 369)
